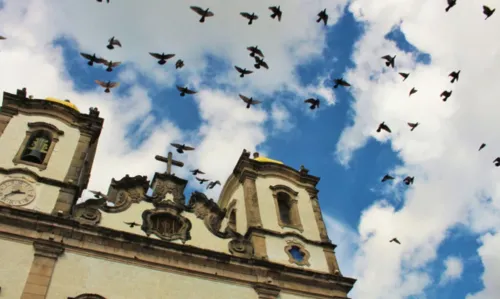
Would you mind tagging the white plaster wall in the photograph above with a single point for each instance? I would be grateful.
(276, 253)
(267, 208)
(46, 195)
(14, 134)
(15, 260)
(124, 281)
(201, 237)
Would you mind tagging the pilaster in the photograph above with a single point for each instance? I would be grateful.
(267, 291)
(331, 261)
(259, 245)
(247, 178)
(323, 234)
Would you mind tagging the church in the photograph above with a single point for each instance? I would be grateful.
(264, 238)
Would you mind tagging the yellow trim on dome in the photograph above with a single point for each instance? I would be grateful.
(67, 104)
(267, 160)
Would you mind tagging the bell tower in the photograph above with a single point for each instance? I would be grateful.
(47, 148)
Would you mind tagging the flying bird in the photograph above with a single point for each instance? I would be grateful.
(389, 60)
(454, 76)
(395, 240)
(412, 126)
(404, 75)
(409, 180)
(482, 146)
(162, 58)
(2, 37)
(497, 161)
(249, 101)
(255, 51)
(387, 178)
(242, 72)
(451, 3)
(250, 17)
(185, 90)
(259, 62)
(112, 42)
(413, 90)
(92, 59)
(179, 64)
(314, 103)
(107, 85)
(341, 82)
(488, 11)
(107, 1)
(322, 15)
(384, 127)
(211, 185)
(446, 94)
(276, 12)
(182, 147)
(203, 13)
(110, 64)
(131, 224)
(197, 171)
(201, 180)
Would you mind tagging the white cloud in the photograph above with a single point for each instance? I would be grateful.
(453, 269)
(347, 241)
(281, 118)
(489, 255)
(452, 178)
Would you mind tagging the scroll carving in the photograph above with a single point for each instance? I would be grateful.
(166, 223)
(88, 211)
(124, 192)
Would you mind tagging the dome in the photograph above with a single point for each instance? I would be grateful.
(267, 160)
(66, 103)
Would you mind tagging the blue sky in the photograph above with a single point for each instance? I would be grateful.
(436, 220)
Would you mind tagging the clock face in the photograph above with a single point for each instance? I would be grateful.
(16, 192)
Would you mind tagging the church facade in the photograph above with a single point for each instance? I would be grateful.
(264, 238)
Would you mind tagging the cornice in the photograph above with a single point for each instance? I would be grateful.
(264, 231)
(48, 249)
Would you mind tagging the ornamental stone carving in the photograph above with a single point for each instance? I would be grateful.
(164, 184)
(124, 192)
(166, 222)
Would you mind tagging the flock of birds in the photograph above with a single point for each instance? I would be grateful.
(258, 56)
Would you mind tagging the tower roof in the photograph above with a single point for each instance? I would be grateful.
(66, 103)
(267, 160)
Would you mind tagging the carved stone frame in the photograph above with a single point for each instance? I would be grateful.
(294, 209)
(169, 210)
(32, 128)
(87, 296)
(291, 259)
(230, 210)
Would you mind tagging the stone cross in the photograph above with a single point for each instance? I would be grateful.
(170, 161)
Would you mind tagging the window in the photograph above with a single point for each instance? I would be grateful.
(87, 296)
(37, 147)
(284, 207)
(287, 210)
(297, 254)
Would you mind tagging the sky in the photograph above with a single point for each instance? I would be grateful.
(447, 221)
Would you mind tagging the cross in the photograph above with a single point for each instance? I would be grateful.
(170, 161)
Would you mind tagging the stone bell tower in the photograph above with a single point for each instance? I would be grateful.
(47, 148)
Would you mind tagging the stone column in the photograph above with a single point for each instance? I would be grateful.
(313, 194)
(331, 261)
(267, 291)
(259, 245)
(38, 281)
(248, 178)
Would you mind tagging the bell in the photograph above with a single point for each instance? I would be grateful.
(34, 156)
(37, 151)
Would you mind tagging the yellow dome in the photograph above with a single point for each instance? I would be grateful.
(267, 160)
(65, 103)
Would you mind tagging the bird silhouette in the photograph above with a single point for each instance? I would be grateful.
(412, 91)
(112, 42)
(249, 101)
(482, 146)
(197, 171)
(412, 126)
(276, 12)
(203, 13)
(107, 85)
(395, 240)
(451, 3)
(404, 75)
(454, 76)
(409, 180)
(201, 180)
(211, 185)
(387, 178)
(179, 64)
(251, 17)
(185, 90)
(314, 103)
(259, 62)
(110, 64)
(107, 1)
(92, 58)
(162, 58)
(340, 82)
(446, 94)
(2, 37)
(182, 147)
(242, 72)
(322, 15)
(131, 224)
(497, 161)
(255, 51)
(488, 11)
(383, 126)
(389, 60)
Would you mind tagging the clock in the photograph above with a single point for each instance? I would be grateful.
(16, 192)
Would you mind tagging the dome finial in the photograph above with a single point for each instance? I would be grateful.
(255, 155)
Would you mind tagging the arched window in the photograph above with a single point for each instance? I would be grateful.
(284, 207)
(87, 296)
(287, 209)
